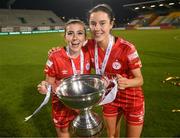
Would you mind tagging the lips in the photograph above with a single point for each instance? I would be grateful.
(76, 45)
(98, 34)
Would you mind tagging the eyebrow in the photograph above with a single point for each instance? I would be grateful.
(98, 21)
(76, 31)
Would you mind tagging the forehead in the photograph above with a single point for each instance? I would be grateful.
(74, 27)
(98, 16)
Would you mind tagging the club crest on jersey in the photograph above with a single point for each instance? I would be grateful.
(116, 65)
(88, 66)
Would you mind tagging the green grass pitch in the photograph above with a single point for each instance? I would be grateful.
(22, 59)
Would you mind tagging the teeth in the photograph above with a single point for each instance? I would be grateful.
(75, 45)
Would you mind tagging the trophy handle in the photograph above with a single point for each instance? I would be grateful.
(111, 92)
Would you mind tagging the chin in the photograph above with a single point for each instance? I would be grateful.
(76, 50)
(98, 39)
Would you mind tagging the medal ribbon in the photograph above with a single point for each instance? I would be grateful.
(81, 62)
(112, 94)
(108, 51)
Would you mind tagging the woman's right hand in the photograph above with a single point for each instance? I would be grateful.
(42, 87)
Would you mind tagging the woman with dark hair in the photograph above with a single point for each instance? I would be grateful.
(115, 57)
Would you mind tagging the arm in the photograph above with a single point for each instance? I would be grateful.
(42, 87)
(137, 81)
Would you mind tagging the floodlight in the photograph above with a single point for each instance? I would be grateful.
(152, 6)
(171, 3)
(136, 8)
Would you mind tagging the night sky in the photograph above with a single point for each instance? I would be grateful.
(72, 8)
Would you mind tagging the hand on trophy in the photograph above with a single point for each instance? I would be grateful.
(106, 81)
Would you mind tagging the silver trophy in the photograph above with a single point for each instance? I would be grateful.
(83, 92)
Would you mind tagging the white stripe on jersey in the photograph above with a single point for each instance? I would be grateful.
(133, 56)
(49, 63)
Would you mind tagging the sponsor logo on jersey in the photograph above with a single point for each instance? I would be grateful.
(116, 65)
(88, 66)
(49, 63)
(64, 72)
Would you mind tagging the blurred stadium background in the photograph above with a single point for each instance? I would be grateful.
(26, 34)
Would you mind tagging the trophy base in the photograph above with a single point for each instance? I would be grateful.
(80, 132)
(87, 124)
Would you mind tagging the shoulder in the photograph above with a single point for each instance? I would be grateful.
(129, 50)
(85, 49)
(57, 52)
(125, 44)
(90, 43)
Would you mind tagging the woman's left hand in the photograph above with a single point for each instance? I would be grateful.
(122, 82)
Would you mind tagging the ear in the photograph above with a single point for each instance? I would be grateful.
(65, 39)
(112, 24)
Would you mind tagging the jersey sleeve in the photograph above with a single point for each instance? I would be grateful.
(90, 46)
(133, 58)
(50, 67)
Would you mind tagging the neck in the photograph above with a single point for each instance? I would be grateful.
(104, 44)
(73, 54)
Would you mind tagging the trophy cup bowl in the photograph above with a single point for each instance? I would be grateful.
(83, 92)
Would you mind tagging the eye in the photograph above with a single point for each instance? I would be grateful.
(80, 33)
(92, 23)
(102, 23)
(69, 33)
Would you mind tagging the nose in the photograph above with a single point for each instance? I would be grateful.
(75, 36)
(97, 27)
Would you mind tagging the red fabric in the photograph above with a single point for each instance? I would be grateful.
(59, 66)
(61, 114)
(133, 117)
(123, 58)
